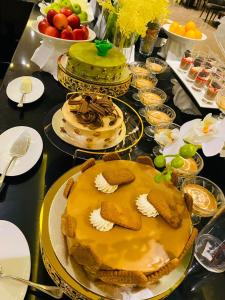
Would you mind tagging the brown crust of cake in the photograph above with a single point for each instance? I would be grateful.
(111, 156)
(68, 187)
(84, 255)
(87, 164)
(67, 225)
(123, 277)
(189, 202)
(190, 242)
(145, 160)
(166, 269)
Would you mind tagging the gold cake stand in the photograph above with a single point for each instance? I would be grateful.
(77, 84)
(76, 285)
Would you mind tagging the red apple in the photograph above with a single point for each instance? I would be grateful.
(66, 11)
(86, 32)
(74, 21)
(60, 21)
(50, 15)
(68, 27)
(66, 34)
(52, 31)
(78, 34)
(42, 25)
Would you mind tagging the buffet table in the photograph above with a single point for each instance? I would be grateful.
(22, 196)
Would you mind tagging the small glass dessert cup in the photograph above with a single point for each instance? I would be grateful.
(201, 79)
(191, 167)
(186, 61)
(207, 197)
(144, 82)
(156, 65)
(153, 96)
(138, 68)
(220, 102)
(194, 69)
(158, 116)
(212, 90)
(165, 137)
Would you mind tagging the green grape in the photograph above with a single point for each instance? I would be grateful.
(187, 150)
(160, 161)
(177, 162)
(167, 176)
(158, 178)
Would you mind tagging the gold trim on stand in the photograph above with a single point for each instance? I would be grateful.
(57, 272)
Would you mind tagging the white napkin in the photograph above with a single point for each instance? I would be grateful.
(46, 57)
(183, 101)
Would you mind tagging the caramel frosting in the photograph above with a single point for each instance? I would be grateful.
(144, 250)
(103, 186)
(204, 203)
(156, 117)
(140, 71)
(150, 98)
(145, 207)
(99, 222)
(141, 83)
(91, 109)
(155, 67)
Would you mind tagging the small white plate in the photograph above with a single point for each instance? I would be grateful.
(26, 162)
(15, 260)
(13, 90)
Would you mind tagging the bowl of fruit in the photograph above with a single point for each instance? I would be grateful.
(79, 7)
(62, 29)
(181, 33)
(180, 38)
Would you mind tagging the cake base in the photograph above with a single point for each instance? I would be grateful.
(57, 123)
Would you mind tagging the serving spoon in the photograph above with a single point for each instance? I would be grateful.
(52, 291)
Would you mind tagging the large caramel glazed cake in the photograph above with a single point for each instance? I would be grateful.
(121, 226)
(92, 121)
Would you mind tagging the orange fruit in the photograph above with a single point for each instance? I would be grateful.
(190, 34)
(173, 26)
(180, 30)
(190, 26)
(198, 34)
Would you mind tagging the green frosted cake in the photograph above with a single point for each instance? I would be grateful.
(85, 62)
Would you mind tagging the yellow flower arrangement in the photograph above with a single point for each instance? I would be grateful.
(134, 15)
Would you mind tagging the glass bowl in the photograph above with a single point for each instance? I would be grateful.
(153, 96)
(138, 68)
(156, 65)
(158, 115)
(187, 172)
(164, 136)
(144, 82)
(198, 208)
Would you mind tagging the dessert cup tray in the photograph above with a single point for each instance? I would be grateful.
(198, 96)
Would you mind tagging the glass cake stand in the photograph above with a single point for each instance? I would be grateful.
(74, 83)
(134, 132)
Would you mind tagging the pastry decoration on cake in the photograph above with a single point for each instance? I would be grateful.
(132, 236)
(98, 61)
(92, 121)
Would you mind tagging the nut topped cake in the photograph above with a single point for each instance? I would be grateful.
(121, 226)
(85, 62)
(92, 121)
